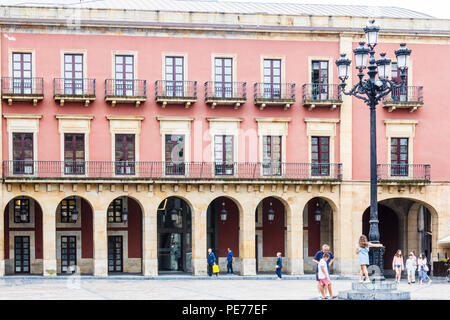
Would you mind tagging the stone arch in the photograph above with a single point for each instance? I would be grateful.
(407, 216)
(316, 234)
(125, 236)
(222, 235)
(74, 240)
(175, 234)
(271, 237)
(32, 229)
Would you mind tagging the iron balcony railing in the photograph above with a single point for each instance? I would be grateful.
(321, 92)
(274, 91)
(22, 86)
(225, 90)
(125, 88)
(68, 87)
(413, 172)
(176, 89)
(161, 169)
(407, 94)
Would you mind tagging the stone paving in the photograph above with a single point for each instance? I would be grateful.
(176, 288)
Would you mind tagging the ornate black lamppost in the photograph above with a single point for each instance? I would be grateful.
(371, 90)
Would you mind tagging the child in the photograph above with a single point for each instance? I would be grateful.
(324, 277)
(363, 256)
(397, 265)
(410, 268)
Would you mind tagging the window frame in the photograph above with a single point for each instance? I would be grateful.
(125, 166)
(268, 141)
(17, 214)
(115, 210)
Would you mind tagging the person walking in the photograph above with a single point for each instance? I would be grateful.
(410, 267)
(230, 261)
(279, 266)
(324, 277)
(423, 269)
(211, 261)
(397, 265)
(415, 267)
(317, 257)
(362, 250)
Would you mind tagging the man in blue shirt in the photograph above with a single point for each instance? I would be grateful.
(316, 259)
(211, 261)
(230, 261)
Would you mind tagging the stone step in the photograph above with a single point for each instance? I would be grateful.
(374, 295)
(377, 285)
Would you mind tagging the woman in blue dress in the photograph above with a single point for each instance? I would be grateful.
(363, 256)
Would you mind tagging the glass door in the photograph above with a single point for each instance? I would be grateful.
(22, 254)
(115, 254)
(68, 254)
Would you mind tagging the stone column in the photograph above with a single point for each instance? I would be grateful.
(49, 237)
(294, 238)
(247, 237)
(100, 242)
(199, 249)
(150, 236)
(347, 224)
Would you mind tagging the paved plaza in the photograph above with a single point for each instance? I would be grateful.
(182, 288)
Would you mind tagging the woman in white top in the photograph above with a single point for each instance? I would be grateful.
(423, 268)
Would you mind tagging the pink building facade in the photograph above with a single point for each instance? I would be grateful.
(124, 143)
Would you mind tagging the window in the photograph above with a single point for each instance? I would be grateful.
(124, 75)
(22, 254)
(68, 253)
(272, 78)
(320, 156)
(174, 154)
(174, 76)
(271, 155)
(125, 157)
(74, 153)
(67, 206)
(319, 78)
(115, 211)
(19, 206)
(399, 156)
(23, 153)
(22, 73)
(73, 74)
(399, 94)
(223, 77)
(223, 155)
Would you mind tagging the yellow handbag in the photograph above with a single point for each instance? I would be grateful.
(215, 268)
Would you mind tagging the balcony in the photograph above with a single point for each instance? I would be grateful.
(22, 89)
(403, 174)
(321, 95)
(410, 98)
(225, 93)
(125, 91)
(271, 94)
(176, 92)
(157, 170)
(74, 90)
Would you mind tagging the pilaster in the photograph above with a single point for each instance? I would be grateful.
(100, 243)
(49, 238)
(345, 140)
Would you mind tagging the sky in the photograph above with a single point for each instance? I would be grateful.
(436, 8)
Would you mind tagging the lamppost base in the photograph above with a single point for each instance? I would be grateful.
(376, 290)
